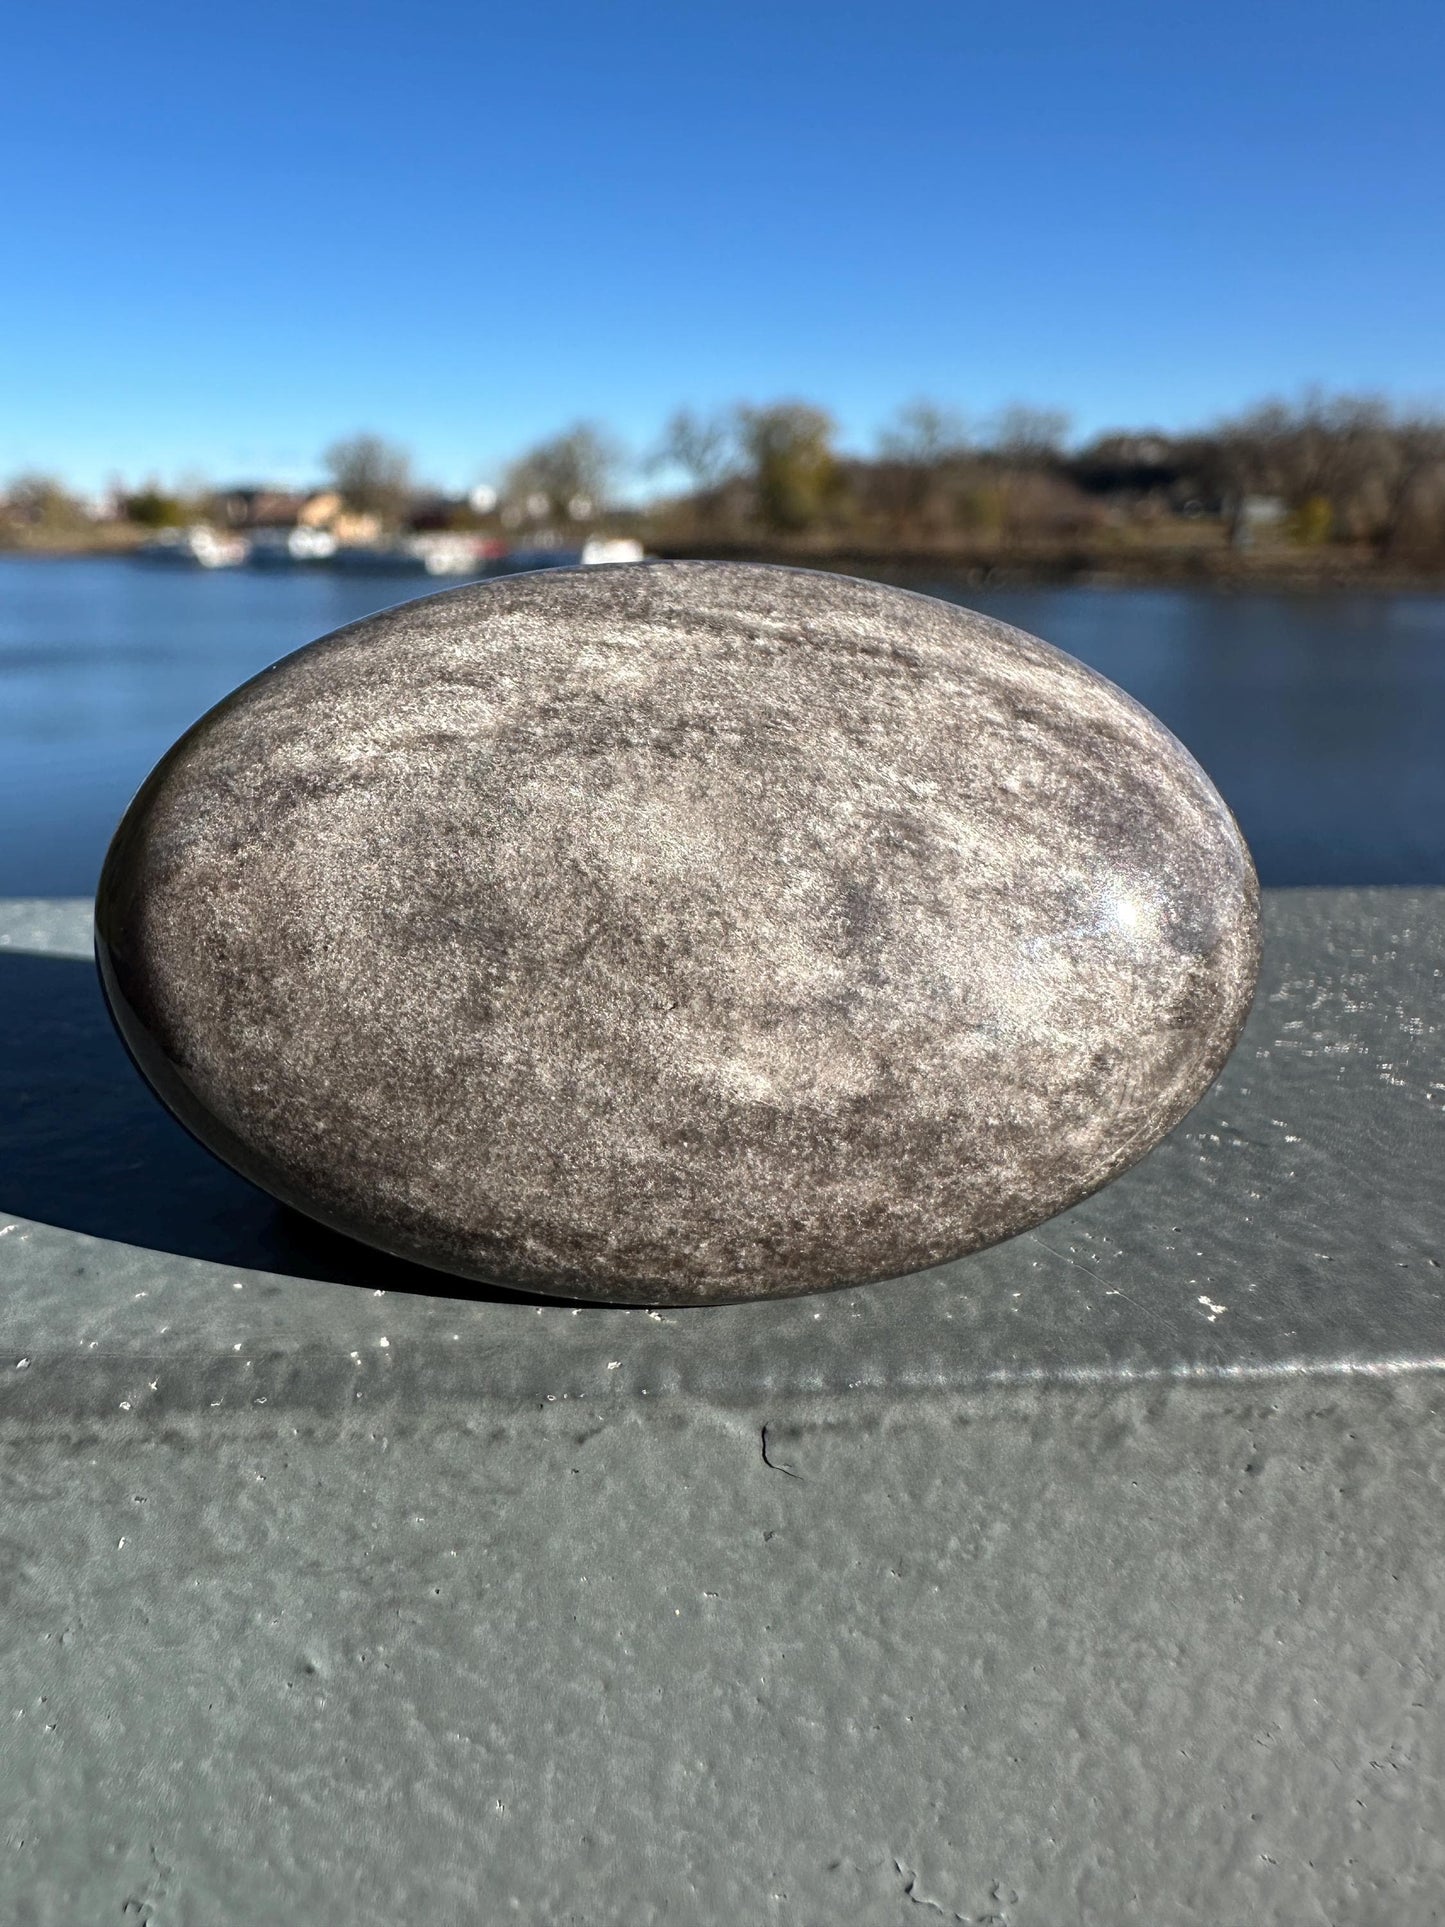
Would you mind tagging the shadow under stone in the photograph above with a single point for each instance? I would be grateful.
(85, 1145)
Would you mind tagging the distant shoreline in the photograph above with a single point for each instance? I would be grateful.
(1019, 567)
(1024, 568)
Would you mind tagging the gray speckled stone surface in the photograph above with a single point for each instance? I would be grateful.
(679, 933)
(1094, 1578)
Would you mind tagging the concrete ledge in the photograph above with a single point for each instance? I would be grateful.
(1293, 1222)
(1036, 1590)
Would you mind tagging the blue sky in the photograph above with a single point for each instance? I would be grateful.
(231, 235)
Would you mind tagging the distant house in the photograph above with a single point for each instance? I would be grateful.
(1128, 465)
(263, 507)
(320, 509)
(259, 507)
(350, 526)
(438, 511)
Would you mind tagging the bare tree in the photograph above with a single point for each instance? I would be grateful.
(570, 477)
(373, 475)
(1027, 435)
(1413, 492)
(1351, 466)
(924, 433)
(919, 476)
(704, 447)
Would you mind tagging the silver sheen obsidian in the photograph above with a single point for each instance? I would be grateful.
(679, 932)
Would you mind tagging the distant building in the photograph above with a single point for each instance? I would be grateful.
(350, 526)
(321, 510)
(262, 507)
(1128, 465)
(259, 507)
(1255, 515)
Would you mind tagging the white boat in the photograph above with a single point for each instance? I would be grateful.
(596, 551)
(198, 547)
(291, 548)
(444, 554)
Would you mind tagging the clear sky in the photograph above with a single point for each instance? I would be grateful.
(231, 234)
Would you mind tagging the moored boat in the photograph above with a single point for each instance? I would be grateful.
(596, 550)
(441, 553)
(600, 549)
(198, 547)
(291, 548)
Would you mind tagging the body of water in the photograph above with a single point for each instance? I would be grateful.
(1320, 718)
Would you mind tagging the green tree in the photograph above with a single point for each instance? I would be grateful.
(152, 507)
(789, 448)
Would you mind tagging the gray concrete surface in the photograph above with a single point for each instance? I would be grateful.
(1094, 1578)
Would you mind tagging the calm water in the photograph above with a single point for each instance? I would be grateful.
(1321, 719)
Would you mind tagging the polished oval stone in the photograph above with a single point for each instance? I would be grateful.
(679, 932)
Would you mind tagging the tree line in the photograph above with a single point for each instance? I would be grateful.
(1349, 470)
(1352, 470)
